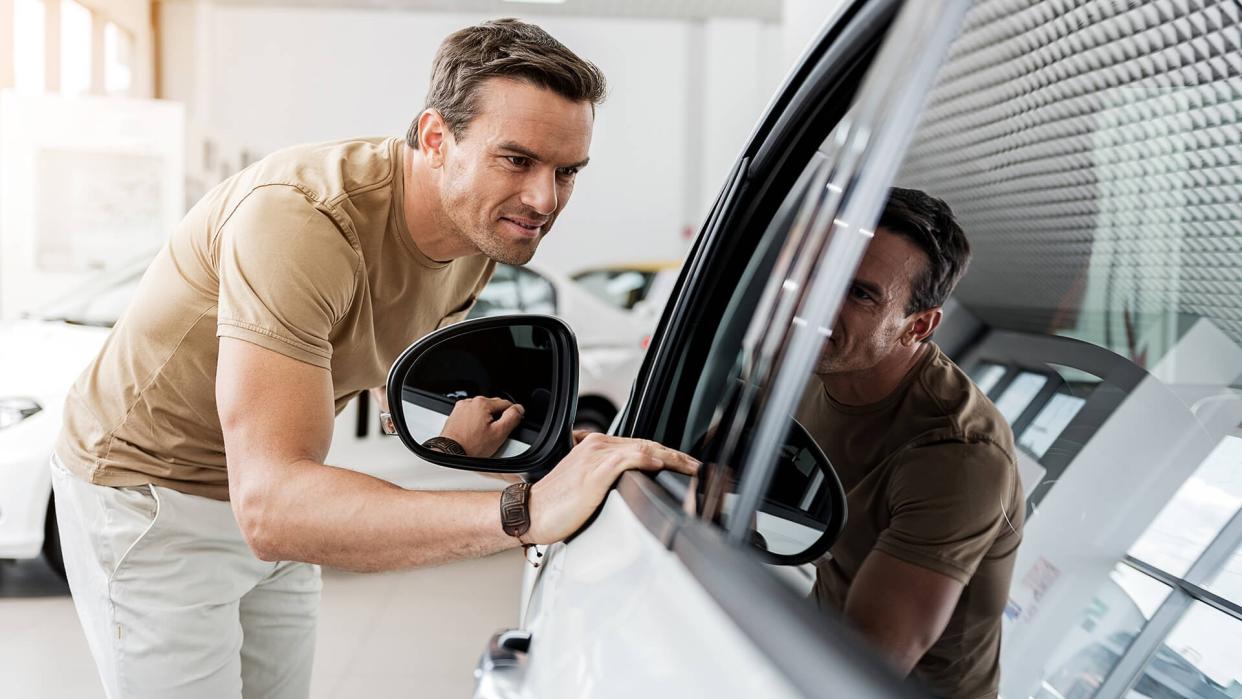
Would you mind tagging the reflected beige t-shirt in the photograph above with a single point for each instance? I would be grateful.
(305, 253)
(930, 478)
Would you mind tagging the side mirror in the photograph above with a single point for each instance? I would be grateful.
(526, 359)
(803, 512)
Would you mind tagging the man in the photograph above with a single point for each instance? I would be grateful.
(922, 567)
(191, 492)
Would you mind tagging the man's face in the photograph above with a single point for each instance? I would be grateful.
(508, 177)
(873, 321)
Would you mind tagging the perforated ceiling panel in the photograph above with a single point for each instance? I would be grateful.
(1093, 153)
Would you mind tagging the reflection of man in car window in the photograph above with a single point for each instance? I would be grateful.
(923, 565)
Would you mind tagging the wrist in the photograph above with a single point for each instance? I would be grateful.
(515, 513)
(445, 445)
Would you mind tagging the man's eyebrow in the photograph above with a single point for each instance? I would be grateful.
(528, 153)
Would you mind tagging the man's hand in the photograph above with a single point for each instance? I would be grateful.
(563, 500)
(474, 426)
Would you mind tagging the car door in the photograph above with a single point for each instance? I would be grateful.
(652, 593)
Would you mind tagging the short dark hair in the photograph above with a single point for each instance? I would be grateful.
(929, 223)
(503, 48)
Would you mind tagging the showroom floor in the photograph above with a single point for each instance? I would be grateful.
(411, 633)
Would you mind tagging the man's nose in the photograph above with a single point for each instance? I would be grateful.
(540, 193)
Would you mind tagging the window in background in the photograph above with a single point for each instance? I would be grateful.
(1200, 659)
(118, 60)
(986, 375)
(75, 48)
(1019, 395)
(1048, 424)
(1110, 623)
(1197, 512)
(28, 45)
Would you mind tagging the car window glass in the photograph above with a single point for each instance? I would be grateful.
(537, 294)
(1097, 196)
(500, 295)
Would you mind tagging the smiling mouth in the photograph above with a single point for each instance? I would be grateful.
(532, 227)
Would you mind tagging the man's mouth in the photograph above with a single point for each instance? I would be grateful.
(524, 226)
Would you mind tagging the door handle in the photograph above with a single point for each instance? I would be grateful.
(502, 667)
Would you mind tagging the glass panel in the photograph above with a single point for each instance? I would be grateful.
(118, 60)
(75, 48)
(1201, 659)
(1228, 582)
(622, 288)
(1019, 394)
(1090, 650)
(538, 294)
(28, 45)
(986, 376)
(1196, 514)
(1047, 425)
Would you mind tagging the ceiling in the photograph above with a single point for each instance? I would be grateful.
(769, 10)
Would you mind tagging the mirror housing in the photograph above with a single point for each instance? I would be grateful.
(527, 359)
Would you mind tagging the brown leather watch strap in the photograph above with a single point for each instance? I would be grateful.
(515, 510)
(445, 445)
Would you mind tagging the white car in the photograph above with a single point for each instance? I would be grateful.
(1092, 151)
(42, 354)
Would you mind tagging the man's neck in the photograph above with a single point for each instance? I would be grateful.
(425, 219)
(876, 383)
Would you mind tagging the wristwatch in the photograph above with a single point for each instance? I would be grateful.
(515, 510)
(445, 445)
(515, 517)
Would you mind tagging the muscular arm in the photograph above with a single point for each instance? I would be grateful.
(277, 417)
(900, 607)
(276, 413)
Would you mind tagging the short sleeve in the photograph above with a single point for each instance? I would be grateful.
(947, 503)
(287, 275)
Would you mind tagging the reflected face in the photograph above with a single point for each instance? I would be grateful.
(513, 170)
(873, 319)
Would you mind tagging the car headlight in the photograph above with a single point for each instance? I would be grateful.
(14, 410)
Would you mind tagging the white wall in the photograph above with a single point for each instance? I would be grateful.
(684, 96)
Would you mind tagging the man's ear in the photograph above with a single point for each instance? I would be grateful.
(921, 325)
(432, 135)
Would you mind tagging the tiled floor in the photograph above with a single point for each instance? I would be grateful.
(415, 633)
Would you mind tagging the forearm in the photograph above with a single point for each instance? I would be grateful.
(308, 511)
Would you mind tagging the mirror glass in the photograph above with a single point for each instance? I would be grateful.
(804, 499)
(802, 512)
(510, 365)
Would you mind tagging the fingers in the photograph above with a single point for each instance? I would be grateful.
(510, 419)
(580, 435)
(495, 405)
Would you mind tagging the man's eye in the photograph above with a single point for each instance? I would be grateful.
(518, 160)
(860, 294)
(568, 172)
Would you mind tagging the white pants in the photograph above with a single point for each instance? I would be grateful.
(172, 600)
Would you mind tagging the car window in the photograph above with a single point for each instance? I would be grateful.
(1093, 159)
(500, 296)
(1093, 193)
(536, 293)
(622, 288)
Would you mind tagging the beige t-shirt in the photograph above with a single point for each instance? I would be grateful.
(930, 478)
(305, 253)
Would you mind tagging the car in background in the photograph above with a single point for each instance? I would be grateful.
(34, 353)
(611, 340)
(641, 287)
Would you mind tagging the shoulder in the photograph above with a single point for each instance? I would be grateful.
(326, 172)
(956, 410)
